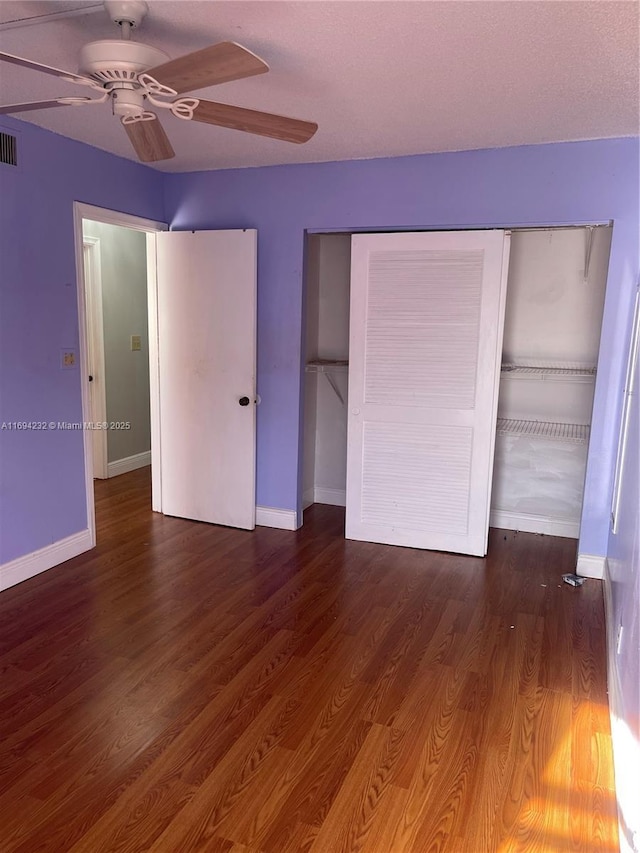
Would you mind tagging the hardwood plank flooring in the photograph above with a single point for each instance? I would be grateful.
(186, 687)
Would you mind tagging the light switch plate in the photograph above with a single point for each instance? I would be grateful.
(136, 343)
(68, 359)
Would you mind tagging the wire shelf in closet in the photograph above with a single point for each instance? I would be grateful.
(561, 372)
(574, 433)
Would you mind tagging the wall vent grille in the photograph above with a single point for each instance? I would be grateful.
(8, 149)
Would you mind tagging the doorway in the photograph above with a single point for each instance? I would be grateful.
(135, 230)
(117, 328)
(554, 304)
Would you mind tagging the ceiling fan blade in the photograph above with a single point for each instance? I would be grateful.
(47, 69)
(44, 105)
(149, 140)
(45, 17)
(252, 121)
(219, 63)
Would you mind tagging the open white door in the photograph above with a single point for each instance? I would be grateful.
(427, 315)
(206, 308)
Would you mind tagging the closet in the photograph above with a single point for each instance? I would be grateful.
(554, 300)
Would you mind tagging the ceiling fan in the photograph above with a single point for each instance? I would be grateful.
(134, 76)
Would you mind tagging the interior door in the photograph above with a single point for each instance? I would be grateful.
(206, 308)
(427, 315)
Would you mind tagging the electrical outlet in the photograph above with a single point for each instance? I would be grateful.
(68, 359)
(136, 343)
(619, 640)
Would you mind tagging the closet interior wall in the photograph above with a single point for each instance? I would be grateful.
(326, 370)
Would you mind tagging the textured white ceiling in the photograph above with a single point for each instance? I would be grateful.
(381, 78)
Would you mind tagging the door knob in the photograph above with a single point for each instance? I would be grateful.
(90, 378)
(244, 401)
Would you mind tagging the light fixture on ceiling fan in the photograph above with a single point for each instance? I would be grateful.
(134, 76)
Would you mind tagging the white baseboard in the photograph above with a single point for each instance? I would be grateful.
(333, 497)
(23, 568)
(591, 566)
(308, 498)
(626, 750)
(129, 463)
(528, 523)
(283, 519)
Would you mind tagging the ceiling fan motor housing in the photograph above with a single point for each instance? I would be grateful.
(111, 61)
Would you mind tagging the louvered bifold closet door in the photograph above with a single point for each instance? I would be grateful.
(427, 315)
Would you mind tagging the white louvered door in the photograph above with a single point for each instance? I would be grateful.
(427, 315)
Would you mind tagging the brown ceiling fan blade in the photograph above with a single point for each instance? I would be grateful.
(252, 121)
(149, 140)
(44, 105)
(219, 63)
(47, 69)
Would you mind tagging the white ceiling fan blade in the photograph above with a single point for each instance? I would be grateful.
(47, 69)
(45, 105)
(45, 17)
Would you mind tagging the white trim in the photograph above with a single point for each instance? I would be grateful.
(84, 373)
(95, 345)
(331, 497)
(308, 498)
(99, 214)
(115, 217)
(129, 463)
(591, 566)
(284, 519)
(529, 523)
(632, 366)
(23, 568)
(626, 751)
(154, 372)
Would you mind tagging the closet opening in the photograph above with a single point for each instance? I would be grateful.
(326, 377)
(555, 299)
(554, 303)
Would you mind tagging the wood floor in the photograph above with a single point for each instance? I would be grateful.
(185, 687)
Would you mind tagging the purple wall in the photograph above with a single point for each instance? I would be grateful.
(42, 494)
(545, 184)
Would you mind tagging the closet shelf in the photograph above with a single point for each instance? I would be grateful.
(574, 433)
(558, 372)
(326, 365)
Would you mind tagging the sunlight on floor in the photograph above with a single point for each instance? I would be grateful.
(574, 798)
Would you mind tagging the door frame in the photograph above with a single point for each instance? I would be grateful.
(95, 350)
(151, 228)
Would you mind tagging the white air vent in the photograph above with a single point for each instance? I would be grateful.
(8, 149)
